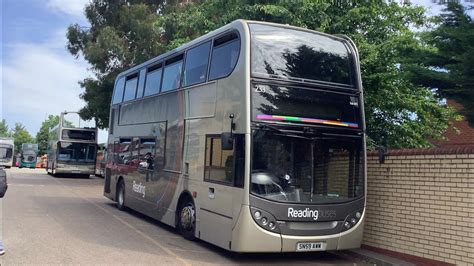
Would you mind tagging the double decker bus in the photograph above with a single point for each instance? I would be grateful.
(28, 155)
(72, 146)
(251, 137)
(7, 147)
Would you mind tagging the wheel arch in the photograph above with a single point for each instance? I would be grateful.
(185, 195)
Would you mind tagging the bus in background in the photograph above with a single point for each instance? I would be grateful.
(28, 155)
(101, 160)
(7, 148)
(72, 146)
(251, 137)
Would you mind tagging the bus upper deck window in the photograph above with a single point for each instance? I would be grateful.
(195, 69)
(130, 87)
(172, 73)
(153, 80)
(225, 54)
(118, 91)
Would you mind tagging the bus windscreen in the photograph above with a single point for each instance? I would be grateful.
(296, 105)
(289, 53)
(80, 152)
(6, 151)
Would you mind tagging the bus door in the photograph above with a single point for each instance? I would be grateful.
(223, 189)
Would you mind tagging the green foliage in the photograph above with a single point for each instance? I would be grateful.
(399, 113)
(122, 34)
(20, 136)
(446, 64)
(43, 134)
(4, 129)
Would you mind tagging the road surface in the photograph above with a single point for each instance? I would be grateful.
(49, 220)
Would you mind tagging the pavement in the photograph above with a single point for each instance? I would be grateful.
(47, 220)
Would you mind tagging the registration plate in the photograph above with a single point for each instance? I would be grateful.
(310, 246)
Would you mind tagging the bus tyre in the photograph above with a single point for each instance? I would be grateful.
(187, 220)
(121, 195)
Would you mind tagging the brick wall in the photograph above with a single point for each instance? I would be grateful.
(421, 202)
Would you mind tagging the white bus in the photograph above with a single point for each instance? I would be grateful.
(7, 147)
(251, 137)
(72, 146)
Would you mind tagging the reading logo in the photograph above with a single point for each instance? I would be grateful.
(139, 188)
(306, 213)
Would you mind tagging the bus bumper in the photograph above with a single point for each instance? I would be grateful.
(248, 236)
(75, 169)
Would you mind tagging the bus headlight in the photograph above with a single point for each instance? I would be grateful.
(351, 220)
(265, 220)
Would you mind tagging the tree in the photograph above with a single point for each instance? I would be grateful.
(20, 136)
(399, 113)
(4, 129)
(42, 136)
(122, 34)
(447, 66)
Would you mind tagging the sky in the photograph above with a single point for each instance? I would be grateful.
(39, 76)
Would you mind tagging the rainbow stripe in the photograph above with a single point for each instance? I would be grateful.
(306, 120)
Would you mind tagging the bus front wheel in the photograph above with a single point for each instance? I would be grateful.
(121, 195)
(187, 220)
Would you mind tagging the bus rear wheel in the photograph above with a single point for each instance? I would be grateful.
(121, 195)
(187, 220)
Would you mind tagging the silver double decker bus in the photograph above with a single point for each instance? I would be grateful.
(72, 146)
(251, 137)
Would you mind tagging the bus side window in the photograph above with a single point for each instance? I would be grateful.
(153, 80)
(195, 69)
(147, 153)
(225, 166)
(131, 87)
(135, 152)
(141, 83)
(224, 56)
(124, 151)
(172, 73)
(118, 91)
